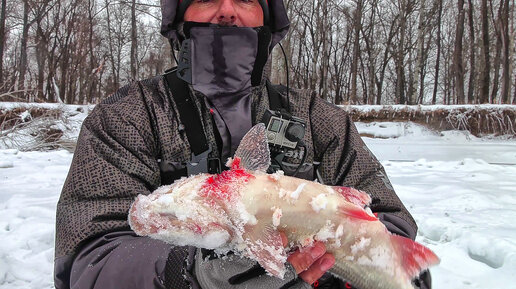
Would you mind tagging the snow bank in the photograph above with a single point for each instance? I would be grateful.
(480, 120)
(43, 126)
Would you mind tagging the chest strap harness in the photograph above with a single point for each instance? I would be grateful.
(200, 161)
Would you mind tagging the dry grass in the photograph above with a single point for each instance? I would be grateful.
(38, 128)
(479, 121)
(34, 128)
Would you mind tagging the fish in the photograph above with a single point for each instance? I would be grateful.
(244, 209)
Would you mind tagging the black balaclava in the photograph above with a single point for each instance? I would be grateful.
(224, 63)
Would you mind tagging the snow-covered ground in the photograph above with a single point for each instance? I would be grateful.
(460, 189)
(462, 192)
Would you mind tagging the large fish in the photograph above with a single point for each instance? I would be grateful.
(243, 210)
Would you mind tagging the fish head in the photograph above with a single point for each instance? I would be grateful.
(178, 214)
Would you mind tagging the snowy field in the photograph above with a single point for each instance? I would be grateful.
(460, 189)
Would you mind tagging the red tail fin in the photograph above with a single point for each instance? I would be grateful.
(415, 257)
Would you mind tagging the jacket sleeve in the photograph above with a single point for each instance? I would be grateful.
(120, 260)
(115, 160)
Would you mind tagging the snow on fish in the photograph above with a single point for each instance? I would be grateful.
(244, 209)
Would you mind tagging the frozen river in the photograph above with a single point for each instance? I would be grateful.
(461, 190)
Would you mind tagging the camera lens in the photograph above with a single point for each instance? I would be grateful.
(295, 132)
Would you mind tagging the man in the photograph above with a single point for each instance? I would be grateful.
(140, 139)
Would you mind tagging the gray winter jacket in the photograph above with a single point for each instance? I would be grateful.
(120, 148)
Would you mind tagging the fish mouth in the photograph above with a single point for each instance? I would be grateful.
(147, 223)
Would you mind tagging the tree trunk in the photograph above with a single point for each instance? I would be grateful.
(371, 53)
(357, 25)
(484, 72)
(438, 57)
(385, 62)
(400, 64)
(41, 58)
(111, 55)
(498, 51)
(506, 59)
(2, 41)
(513, 45)
(92, 73)
(326, 34)
(458, 67)
(411, 82)
(134, 42)
(419, 76)
(23, 47)
(472, 68)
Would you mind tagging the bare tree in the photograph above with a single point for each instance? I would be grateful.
(420, 54)
(405, 8)
(458, 67)
(484, 71)
(472, 67)
(513, 45)
(498, 50)
(357, 24)
(134, 41)
(438, 57)
(387, 56)
(2, 39)
(506, 60)
(366, 51)
(23, 45)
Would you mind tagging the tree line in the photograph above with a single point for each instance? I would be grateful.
(348, 51)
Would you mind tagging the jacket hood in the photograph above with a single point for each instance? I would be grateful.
(278, 22)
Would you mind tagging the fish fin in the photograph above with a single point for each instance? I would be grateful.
(354, 196)
(415, 257)
(264, 244)
(253, 150)
(357, 213)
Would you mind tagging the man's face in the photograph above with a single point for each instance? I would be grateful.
(242, 13)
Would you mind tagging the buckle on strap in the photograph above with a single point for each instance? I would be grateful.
(202, 164)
